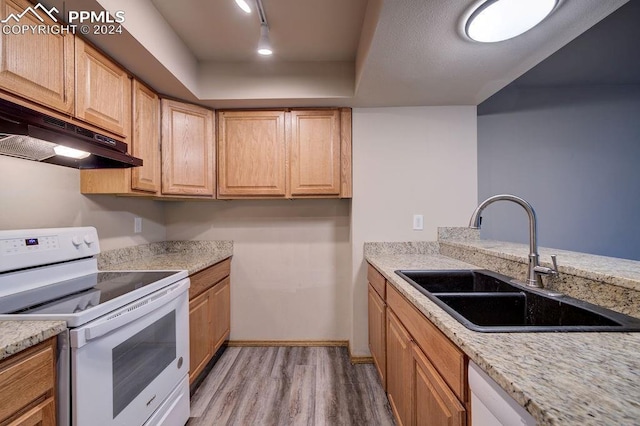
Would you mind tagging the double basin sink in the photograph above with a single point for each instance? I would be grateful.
(489, 302)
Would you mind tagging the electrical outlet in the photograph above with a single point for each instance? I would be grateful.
(137, 225)
(418, 222)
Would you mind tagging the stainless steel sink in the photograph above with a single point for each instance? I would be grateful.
(489, 302)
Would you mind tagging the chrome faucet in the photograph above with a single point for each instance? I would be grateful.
(535, 270)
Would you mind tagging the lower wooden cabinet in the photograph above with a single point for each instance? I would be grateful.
(399, 372)
(221, 302)
(43, 414)
(377, 333)
(424, 372)
(200, 335)
(209, 315)
(27, 381)
(435, 403)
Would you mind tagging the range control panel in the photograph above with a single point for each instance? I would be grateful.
(35, 247)
(25, 245)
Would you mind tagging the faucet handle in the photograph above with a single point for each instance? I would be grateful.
(555, 263)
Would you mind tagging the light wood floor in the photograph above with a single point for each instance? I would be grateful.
(290, 386)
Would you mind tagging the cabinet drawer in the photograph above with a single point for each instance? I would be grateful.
(377, 280)
(43, 414)
(443, 354)
(25, 377)
(205, 279)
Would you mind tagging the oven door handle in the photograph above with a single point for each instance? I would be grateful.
(127, 314)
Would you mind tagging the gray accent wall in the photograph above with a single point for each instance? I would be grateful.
(574, 154)
(566, 137)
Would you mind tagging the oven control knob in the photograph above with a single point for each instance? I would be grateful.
(88, 239)
(76, 241)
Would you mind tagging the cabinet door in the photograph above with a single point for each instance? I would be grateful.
(103, 91)
(187, 149)
(26, 379)
(435, 403)
(43, 414)
(314, 152)
(145, 141)
(399, 370)
(38, 67)
(200, 336)
(221, 305)
(377, 335)
(251, 154)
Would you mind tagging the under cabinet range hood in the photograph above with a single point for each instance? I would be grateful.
(29, 134)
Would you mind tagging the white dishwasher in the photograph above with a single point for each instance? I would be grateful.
(491, 405)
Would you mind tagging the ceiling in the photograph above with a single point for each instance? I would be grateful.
(328, 52)
(606, 54)
(326, 30)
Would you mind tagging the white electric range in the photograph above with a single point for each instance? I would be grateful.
(124, 359)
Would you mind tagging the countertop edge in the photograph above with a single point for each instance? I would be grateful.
(25, 334)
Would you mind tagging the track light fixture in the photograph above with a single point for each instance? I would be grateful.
(264, 45)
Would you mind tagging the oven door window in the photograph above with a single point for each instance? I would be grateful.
(141, 358)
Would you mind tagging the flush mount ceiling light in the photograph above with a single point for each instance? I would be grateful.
(498, 20)
(242, 4)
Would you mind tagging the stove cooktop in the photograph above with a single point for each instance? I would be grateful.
(82, 299)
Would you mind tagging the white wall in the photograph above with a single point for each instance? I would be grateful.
(39, 195)
(414, 160)
(290, 273)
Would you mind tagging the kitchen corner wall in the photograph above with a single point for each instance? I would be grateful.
(39, 195)
(291, 263)
(406, 161)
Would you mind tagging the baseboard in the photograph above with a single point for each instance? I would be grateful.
(309, 343)
(241, 343)
(361, 359)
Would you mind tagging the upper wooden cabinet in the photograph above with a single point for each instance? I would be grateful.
(188, 149)
(144, 144)
(314, 152)
(251, 154)
(38, 67)
(284, 154)
(103, 91)
(145, 141)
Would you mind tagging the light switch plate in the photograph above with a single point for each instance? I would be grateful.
(137, 225)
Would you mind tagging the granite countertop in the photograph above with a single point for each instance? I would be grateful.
(16, 336)
(192, 256)
(560, 378)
